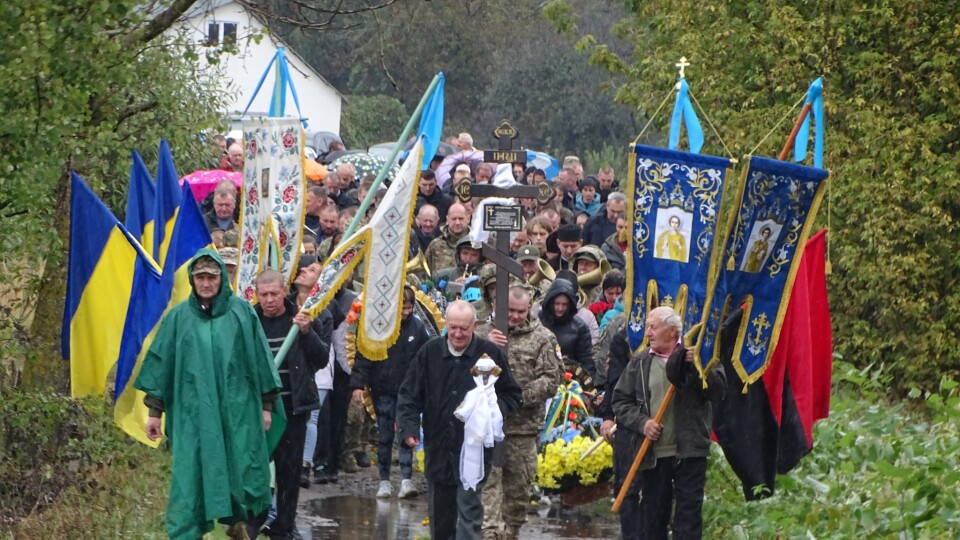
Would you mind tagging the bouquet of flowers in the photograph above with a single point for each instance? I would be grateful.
(570, 430)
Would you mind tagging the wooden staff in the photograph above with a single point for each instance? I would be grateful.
(643, 451)
(793, 134)
(597, 444)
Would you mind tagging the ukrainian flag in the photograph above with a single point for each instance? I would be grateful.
(100, 278)
(188, 236)
(166, 204)
(141, 199)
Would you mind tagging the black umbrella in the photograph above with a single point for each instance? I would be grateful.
(443, 150)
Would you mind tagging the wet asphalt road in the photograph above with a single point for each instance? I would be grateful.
(349, 510)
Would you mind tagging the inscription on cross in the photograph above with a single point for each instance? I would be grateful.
(503, 219)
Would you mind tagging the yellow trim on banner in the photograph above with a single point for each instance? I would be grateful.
(716, 263)
(785, 296)
(373, 349)
(347, 271)
(630, 192)
(303, 206)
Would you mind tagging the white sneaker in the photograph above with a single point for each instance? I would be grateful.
(385, 491)
(407, 489)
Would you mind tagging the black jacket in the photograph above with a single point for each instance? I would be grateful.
(611, 249)
(572, 334)
(309, 354)
(619, 358)
(439, 200)
(598, 228)
(384, 377)
(435, 386)
(210, 219)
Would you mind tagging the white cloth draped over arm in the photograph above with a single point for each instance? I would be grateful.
(482, 424)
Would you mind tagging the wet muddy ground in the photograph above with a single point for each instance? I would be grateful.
(349, 510)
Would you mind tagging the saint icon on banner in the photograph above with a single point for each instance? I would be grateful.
(673, 230)
(762, 238)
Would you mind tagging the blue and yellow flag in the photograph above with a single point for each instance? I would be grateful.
(100, 278)
(167, 203)
(675, 206)
(189, 236)
(778, 204)
(141, 199)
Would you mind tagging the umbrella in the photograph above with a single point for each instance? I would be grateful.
(202, 183)
(443, 150)
(313, 170)
(327, 159)
(449, 162)
(544, 161)
(366, 164)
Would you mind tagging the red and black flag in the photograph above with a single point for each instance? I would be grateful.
(765, 430)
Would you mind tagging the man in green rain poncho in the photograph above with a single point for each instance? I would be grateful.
(211, 372)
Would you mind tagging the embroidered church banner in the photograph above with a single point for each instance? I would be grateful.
(384, 245)
(272, 200)
(675, 205)
(761, 255)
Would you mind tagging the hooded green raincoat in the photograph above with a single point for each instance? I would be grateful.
(211, 370)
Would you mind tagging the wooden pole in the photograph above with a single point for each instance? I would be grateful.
(793, 134)
(597, 444)
(643, 451)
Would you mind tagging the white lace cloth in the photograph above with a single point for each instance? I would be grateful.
(482, 423)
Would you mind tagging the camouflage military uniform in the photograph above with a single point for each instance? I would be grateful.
(442, 253)
(536, 365)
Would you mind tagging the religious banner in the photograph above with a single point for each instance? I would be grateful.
(272, 201)
(675, 205)
(778, 204)
(387, 258)
(385, 243)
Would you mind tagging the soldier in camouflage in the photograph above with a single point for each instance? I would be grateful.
(441, 253)
(537, 366)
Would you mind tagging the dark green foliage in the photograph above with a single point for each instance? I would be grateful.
(81, 88)
(50, 446)
(878, 469)
(893, 124)
(369, 120)
(501, 60)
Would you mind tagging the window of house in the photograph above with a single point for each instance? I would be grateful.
(229, 32)
(213, 33)
(217, 29)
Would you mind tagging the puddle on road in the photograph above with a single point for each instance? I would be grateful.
(392, 519)
(363, 517)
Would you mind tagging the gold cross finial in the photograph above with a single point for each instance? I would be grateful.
(681, 65)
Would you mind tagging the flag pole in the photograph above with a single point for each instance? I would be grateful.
(643, 451)
(391, 159)
(793, 134)
(415, 117)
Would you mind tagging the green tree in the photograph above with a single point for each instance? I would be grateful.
(368, 120)
(500, 59)
(84, 83)
(892, 129)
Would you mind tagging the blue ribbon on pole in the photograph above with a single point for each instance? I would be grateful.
(285, 80)
(683, 111)
(815, 99)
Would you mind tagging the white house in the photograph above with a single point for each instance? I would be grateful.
(212, 22)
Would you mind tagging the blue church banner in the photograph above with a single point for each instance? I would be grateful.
(675, 205)
(778, 203)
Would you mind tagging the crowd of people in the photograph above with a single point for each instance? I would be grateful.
(564, 315)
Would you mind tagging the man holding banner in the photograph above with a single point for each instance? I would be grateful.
(676, 466)
(209, 370)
